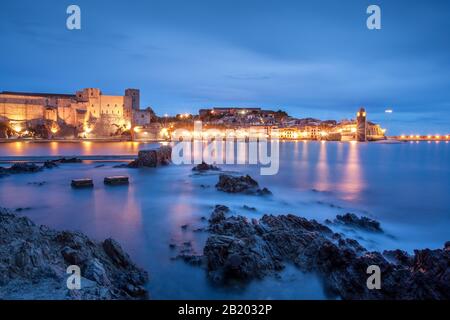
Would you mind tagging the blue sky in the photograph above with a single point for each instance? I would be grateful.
(310, 58)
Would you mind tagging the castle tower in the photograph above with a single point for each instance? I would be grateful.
(135, 98)
(361, 125)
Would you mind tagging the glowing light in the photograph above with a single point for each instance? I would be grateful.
(446, 137)
(388, 111)
(87, 129)
(17, 128)
(164, 132)
(438, 136)
(136, 129)
(54, 130)
(429, 136)
(411, 136)
(417, 136)
(353, 130)
(402, 136)
(128, 126)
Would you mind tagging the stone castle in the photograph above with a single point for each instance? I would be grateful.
(88, 111)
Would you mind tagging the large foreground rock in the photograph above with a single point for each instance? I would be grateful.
(34, 260)
(239, 249)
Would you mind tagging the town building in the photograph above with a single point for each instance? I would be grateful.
(89, 112)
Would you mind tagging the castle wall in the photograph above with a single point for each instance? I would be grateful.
(104, 114)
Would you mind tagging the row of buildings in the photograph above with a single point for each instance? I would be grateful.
(91, 114)
(265, 121)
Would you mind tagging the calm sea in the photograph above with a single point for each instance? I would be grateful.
(405, 186)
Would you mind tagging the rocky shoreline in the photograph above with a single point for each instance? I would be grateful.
(239, 249)
(34, 261)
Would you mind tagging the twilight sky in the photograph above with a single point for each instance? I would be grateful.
(311, 58)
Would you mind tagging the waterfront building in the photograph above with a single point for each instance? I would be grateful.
(88, 111)
(358, 130)
(288, 133)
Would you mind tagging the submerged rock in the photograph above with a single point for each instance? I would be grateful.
(30, 167)
(205, 167)
(353, 221)
(239, 249)
(34, 260)
(68, 160)
(241, 184)
(24, 167)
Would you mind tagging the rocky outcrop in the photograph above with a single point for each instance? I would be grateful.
(353, 221)
(29, 167)
(243, 184)
(239, 249)
(152, 158)
(22, 167)
(202, 167)
(34, 261)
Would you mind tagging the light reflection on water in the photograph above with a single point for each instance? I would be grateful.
(404, 186)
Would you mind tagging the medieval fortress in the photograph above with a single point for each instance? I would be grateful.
(87, 112)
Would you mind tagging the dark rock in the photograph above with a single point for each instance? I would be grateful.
(248, 208)
(34, 260)
(398, 257)
(24, 167)
(82, 183)
(68, 160)
(116, 180)
(263, 192)
(50, 164)
(205, 167)
(242, 184)
(184, 226)
(191, 259)
(73, 256)
(152, 158)
(239, 249)
(218, 214)
(353, 221)
(116, 253)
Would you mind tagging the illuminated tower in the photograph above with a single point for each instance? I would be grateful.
(361, 125)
